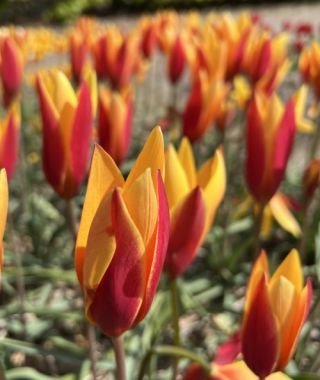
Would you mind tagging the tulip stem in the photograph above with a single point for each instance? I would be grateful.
(172, 351)
(304, 233)
(71, 218)
(175, 322)
(120, 357)
(258, 219)
(91, 337)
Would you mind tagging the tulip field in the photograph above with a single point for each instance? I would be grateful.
(159, 199)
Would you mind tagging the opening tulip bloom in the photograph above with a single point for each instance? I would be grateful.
(11, 68)
(123, 238)
(4, 199)
(270, 133)
(193, 197)
(275, 310)
(115, 122)
(9, 140)
(67, 132)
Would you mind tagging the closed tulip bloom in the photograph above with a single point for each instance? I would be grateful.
(203, 105)
(67, 132)
(233, 371)
(275, 310)
(270, 133)
(122, 239)
(9, 140)
(309, 66)
(115, 123)
(177, 57)
(193, 197)
(11, 68)
(311, 178)
(148, 36)
(4, 199)
(79, 49)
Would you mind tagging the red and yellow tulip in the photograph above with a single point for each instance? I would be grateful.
(309, 66)
(270, 133)
(4, 199)
(275, 310)
(67, 132)
(11, 68)
(9, 140)
(123, 236)
(203, 105)
(115, 123)
(311, 178)
(194, 197)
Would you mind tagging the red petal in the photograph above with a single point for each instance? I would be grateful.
(228, 351)
(81, 135)
(255, 158)
(192, 112)
(176, 60)
(158, 245)
(118, 298)
(196, 372)
(186, 233)
(259, 337)
(52, 146)
(10, 146)
(264, 61)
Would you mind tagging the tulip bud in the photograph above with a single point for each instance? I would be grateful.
(115, 123)
(275, 311)
(11, 69)
(309, 66)
(122, 239)
(79, 49)
(67, 132)
(4, 199)
(177, 59)
(311, 178)
(193, 196)
(270, 133)
(9, 140)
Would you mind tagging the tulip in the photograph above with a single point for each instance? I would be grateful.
(4, 197)
(203, 105)
(233, 371)
(11, 68)
(122, 239)
(67, 130)
(311, 178)
(300, 98)
(177, 58)
(270, 134)
(79, 49)
(309, 66)
(115, 123)
(9, 140)
(194, 197)
(148, 36)
(274, 313)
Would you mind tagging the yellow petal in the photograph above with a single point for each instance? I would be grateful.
(91, 78)
(266, 222)
(283, 215)
(4, 199)
(104, 176)
(175, 182)
(151, 156)
(63, 92)
(212, 179)
(290, 268)
(142, 193)
(186, 159)
(278, 376)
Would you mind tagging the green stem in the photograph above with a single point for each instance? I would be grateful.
(91, 337)
(257, 230)
(175, 323)
(315, 142)
(176, 352)
(304, 231)
(120, 357)
(71, 218)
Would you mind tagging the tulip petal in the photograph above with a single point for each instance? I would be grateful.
(255, 159)
(142, 193)
(196, 372)
(212, 180)
(233, 371)
(228, 351)
(104, 175)
(283, 215)
(156, 251)
(63, 92)
(53, 147)
(81, 134)
(259, 333)
(176, 182)
(152, 155)
(290, 268)
(185, 238)
(118, 298)
(187, 162)
(10, 146)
